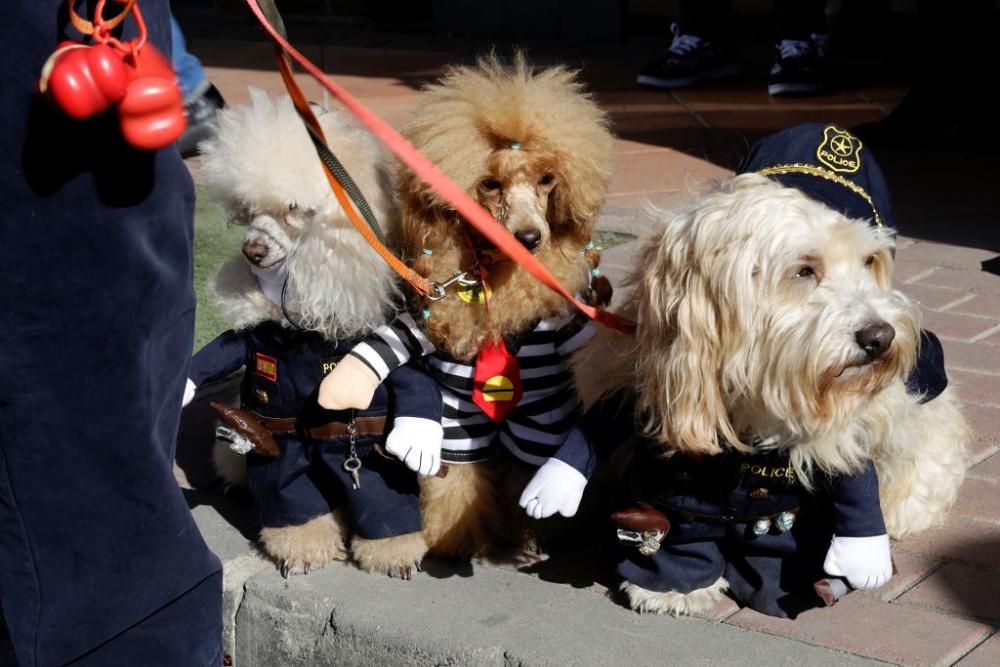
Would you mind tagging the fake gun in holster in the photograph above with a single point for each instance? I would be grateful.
(243, 432)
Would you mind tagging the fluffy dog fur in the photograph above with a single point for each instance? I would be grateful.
(262, 167)
(747, 304)
(551, 187)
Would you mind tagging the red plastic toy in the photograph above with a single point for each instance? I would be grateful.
(86, 79)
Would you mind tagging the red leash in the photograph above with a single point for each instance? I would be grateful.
(465, 205)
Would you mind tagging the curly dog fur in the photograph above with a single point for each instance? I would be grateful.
(747, 305)
(535, 150)
(262, 166)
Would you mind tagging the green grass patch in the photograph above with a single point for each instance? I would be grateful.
(215, 241)
(608, 240)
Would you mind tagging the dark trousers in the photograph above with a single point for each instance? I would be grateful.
(713, 19)
(100, 557)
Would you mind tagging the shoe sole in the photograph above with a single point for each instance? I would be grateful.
(718, 73)
(779, 89)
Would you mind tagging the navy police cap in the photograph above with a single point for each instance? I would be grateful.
(829, 164)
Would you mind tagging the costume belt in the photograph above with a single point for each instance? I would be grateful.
(334, 429)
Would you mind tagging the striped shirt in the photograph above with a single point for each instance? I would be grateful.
(549, 406)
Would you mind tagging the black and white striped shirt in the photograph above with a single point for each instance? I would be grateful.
(549, 406)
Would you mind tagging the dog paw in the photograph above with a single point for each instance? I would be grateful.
(398, 556)
(673, 603)
(309, 546)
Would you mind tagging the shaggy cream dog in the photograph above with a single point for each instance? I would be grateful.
(535, 150)
(304, 267)
(757, 308)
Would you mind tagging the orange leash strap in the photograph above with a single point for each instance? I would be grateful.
(467, 207)
(418, 282)
(87, 27)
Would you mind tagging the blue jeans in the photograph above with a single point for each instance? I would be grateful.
(190, 73)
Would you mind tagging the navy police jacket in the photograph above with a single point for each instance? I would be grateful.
(728, 488)
(284, 368)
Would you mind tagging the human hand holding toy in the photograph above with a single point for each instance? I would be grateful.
(350, 385)
(556, 487)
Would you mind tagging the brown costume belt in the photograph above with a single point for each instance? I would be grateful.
(328, 431)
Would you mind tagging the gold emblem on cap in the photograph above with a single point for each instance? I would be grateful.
(840, 150)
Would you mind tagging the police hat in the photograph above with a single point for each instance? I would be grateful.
(829, 164)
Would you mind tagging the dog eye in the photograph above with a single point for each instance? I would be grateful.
(489, 184)
(546, 179)
(870, 260)
(806, 272)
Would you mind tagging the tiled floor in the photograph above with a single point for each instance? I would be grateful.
(944, 606)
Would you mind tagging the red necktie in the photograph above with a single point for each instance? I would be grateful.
(496, 384)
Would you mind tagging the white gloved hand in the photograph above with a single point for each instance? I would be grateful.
(864, 561)
(556, 487)
(417, 443)
(189, 390)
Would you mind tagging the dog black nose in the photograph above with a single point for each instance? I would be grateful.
(529, 238)
(255, 251)
(875, 338)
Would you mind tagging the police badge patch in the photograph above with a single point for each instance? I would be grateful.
(840, 150)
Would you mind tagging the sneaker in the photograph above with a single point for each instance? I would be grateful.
(200, 113)
(798, 67)
(689, 59)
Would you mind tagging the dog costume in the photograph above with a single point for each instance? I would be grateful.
(283, 369)
(534, 381)
(746, 517)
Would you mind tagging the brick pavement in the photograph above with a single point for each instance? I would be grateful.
(944, 605)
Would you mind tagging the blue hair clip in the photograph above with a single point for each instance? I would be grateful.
(428, 251)
(516, 146)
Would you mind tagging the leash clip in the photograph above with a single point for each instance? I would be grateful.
(438, 289)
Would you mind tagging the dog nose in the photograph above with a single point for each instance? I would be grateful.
(255, 251)
(529, 238)
(875, 338)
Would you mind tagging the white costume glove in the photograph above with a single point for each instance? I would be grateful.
(350, 385)
(556, 487)
(417, 443)
(189, 390)
(864, 561)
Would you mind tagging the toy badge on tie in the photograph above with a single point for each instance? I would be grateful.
(86, 79)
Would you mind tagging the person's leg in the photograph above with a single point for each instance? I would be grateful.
(700, 49)
(95, 534)
(186, 631)
(800, 44)
(202, 100)
(190, 73)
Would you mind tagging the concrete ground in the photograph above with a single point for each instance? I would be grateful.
(942, 608)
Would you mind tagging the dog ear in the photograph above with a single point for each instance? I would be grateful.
(883, 268)
(679, 361)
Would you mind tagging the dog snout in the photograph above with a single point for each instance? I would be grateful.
(529, 238)
(875, 338)
(255, 251)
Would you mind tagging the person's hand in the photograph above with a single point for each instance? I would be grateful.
(350, 385)
(864, 561)
(556, 487)
(417, 443)
(189, 391)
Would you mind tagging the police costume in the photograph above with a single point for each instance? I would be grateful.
(284, 368)
(101, 562)
(746, 517)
